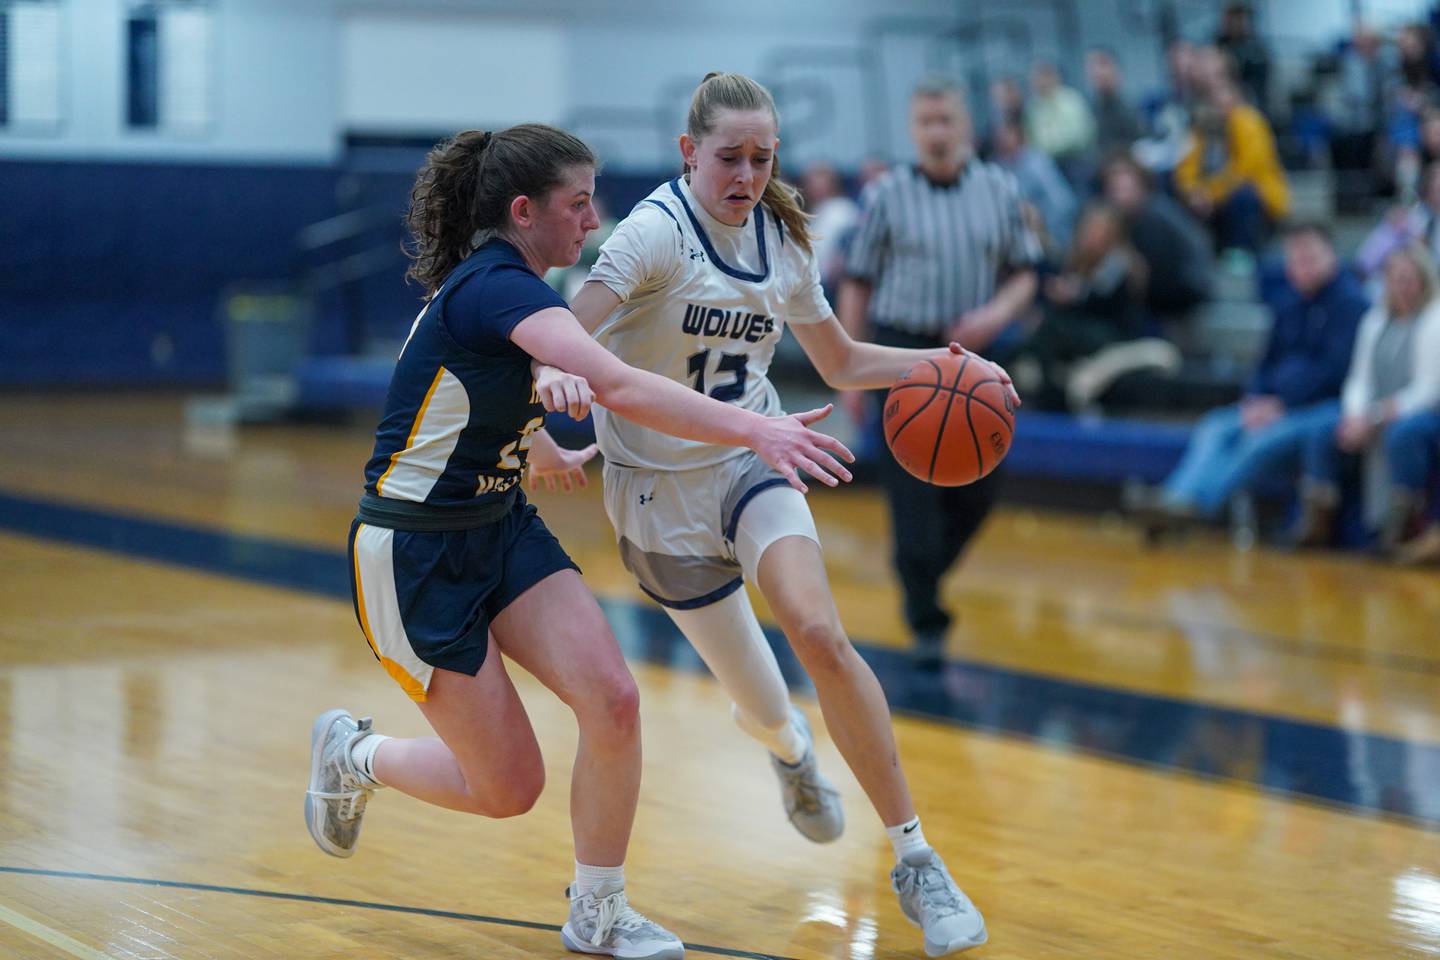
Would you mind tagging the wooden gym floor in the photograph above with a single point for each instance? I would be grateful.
(1185, 753)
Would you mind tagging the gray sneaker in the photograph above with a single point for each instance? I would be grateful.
(812, 803)
(336, 799)
(932, 901)
(603, 922)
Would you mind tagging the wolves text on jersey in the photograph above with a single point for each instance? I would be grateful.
(701, 320)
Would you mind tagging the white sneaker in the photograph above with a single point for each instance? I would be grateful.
(336, 799)
(812, 803)
(603, 922)
(932, 901)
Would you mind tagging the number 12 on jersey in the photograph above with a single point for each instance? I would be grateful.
(728, 363)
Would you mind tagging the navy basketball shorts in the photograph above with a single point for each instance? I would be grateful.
(426, 600)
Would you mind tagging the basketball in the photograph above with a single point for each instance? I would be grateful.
(949, 420)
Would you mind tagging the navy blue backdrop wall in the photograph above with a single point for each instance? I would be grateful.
(112, 272)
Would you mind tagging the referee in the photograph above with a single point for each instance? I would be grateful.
(925, 267)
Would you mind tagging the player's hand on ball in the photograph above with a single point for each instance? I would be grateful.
(1000, 373)
(559, 390)
(553, 462)
(790, 446)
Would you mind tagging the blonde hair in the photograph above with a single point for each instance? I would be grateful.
(1420, 259)
(734, 91)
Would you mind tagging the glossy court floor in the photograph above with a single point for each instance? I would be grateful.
(1184, 753)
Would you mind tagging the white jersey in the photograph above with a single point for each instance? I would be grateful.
(702, 303)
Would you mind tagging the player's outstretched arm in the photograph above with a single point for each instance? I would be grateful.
(553, 336)
(848, 364)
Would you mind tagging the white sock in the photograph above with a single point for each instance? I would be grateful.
(363, 756)
(588, 879)
(784, 741)
(908, 840)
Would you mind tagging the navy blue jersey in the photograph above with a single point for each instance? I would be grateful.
(462, 404)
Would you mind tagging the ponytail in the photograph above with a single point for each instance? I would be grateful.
(462, 195)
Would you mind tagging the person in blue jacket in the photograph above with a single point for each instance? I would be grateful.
(1296, 385)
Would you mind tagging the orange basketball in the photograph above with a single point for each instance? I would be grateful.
(949, 421)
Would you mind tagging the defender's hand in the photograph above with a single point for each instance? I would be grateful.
(788, 445)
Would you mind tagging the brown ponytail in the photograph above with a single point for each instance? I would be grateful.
(734, 91)
(462, 195)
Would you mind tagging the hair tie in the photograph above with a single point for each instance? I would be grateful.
(485, 139)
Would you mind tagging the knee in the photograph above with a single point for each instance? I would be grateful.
(612, 700)
(515, 796)
(821, 645)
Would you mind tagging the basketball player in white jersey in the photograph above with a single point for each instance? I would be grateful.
(697, 284)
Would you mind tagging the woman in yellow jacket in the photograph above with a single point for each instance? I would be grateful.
(1231, 177)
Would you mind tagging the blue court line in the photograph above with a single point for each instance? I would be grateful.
(1357, 772)
(358, 904)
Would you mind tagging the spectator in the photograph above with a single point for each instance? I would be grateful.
(871, 170)
(1394, 375)
(1418, 223)
(1167, 115)
(1413, 448)
(1293, 389)
(1238, 40)
(1116, 125)
(1174, 248)
(1007, 105)
(1059, 123)
(1232, 178)
(835, 216)
(1091, 305)
(1408, 104)
(1041, 184)
(1429, 136)
(1358, 117)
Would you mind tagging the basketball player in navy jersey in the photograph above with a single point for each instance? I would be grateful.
(696, 284)
(451, 566)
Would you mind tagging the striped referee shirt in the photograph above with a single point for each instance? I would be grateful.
(931, 252)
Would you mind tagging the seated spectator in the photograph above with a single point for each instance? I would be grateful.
(1059, 123)
(1394, 375)
(834, 217)
(1418, 223)
(1240, 42)
(1116, 125)
(1295, 387)
(1173, 246)
(1007, 105)
(1167, 116)
(1358, 116)
(1232, 178)
(1092, 304)
(1412, 448)
(1408, 102)
(1041, 184)
(871, 170)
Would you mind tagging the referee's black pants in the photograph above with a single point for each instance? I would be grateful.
(930, 525)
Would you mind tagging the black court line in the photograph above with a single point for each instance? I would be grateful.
(357, 904)
(1361, 773)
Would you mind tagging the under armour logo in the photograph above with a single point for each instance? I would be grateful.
(696, 254)
(646, 498)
